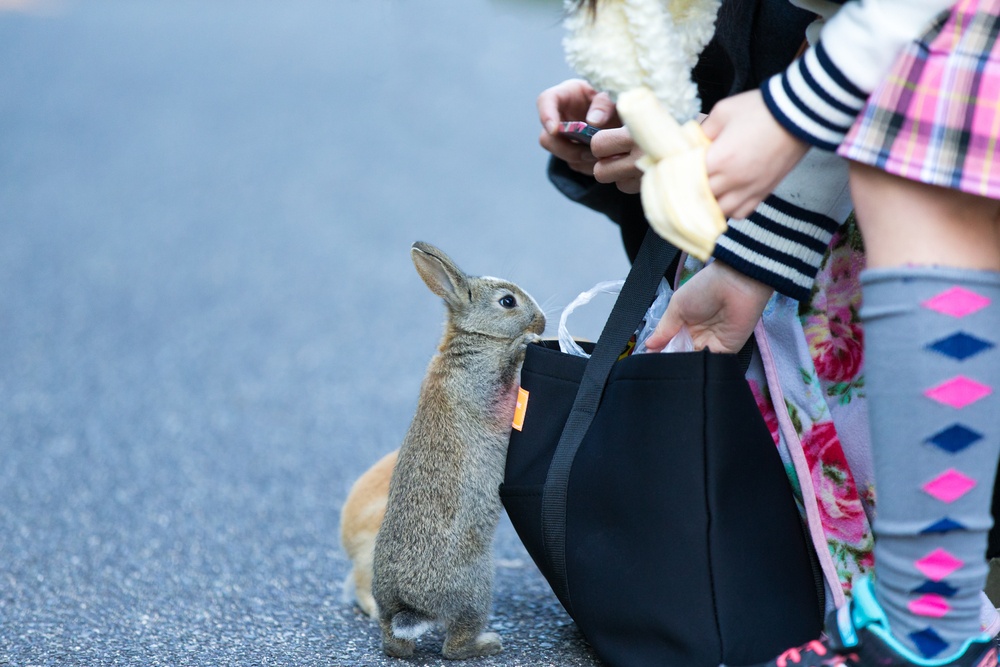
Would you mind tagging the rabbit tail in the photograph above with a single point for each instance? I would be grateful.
(409, 624)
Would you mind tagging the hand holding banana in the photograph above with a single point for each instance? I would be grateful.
(675, 195)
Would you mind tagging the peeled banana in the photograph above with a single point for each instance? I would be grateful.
(675, 194)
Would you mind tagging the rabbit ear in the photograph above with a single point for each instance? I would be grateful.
(440, 273)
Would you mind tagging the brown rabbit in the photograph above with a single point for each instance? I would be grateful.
(433, 558)
(360, 519)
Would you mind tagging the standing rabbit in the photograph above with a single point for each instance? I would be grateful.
(433, 560)
(360, 519)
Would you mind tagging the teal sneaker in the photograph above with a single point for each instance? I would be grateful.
(857, 635)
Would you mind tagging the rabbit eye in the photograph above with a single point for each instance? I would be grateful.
(508, 301)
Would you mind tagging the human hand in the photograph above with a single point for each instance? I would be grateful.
(573, 99)
(720, 307)
(750, 153)
(617, 155)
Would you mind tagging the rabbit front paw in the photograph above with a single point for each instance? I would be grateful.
(524, 340)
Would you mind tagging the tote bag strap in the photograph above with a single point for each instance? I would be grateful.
(654, 257)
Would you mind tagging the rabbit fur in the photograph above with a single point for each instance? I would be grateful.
(360, 519)
(433, 555)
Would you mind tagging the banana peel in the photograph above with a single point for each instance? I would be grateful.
(675, 195)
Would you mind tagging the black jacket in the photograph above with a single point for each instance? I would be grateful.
(754, 39)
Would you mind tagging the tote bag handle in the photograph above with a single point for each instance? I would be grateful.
(654, 257)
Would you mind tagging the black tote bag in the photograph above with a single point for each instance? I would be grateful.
(651, 496)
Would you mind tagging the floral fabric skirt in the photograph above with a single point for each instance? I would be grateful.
(809, 386)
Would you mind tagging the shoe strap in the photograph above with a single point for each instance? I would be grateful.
(840, 631)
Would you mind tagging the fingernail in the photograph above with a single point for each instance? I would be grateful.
(551, 126)
(596, 116)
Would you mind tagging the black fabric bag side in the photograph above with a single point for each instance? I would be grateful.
(632, 597)
(682, 541)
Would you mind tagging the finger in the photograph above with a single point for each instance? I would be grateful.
(585, 168)
(719, 184)
(735, 199)
(746, 210)
(717, 157)
(551, 144)
(616, 141)
(730, 203)
(567, 150)
(616, 168)
(703, 340)
(548, 110)
(711, 339)
(569, 98)
(711, 126)
(667, 328)
(738, 205)
(601, 110)
(630, 186)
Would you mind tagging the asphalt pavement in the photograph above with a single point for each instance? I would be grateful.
(209, 321)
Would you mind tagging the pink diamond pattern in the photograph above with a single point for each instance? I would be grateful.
(933, 606)
(957, 302)
(958, 392)
(938, 564)
(949, 486)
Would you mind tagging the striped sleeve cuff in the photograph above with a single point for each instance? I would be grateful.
(813, 99)
(781, 245)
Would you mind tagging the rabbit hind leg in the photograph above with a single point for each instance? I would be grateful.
(393, 646)
(400, 630)
(465, 639)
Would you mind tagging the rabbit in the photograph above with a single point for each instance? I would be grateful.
(360, 519)
(433, 558)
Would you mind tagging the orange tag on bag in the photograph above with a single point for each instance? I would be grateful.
(520, 408)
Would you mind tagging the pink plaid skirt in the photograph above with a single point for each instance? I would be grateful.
(936, 116)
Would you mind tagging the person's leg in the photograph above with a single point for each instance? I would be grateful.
(908, 223)
(931, 317)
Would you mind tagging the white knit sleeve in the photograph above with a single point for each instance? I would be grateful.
(818, 97)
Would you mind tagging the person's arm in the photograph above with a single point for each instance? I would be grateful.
(573, 100)
(818, 97)
(783, 242)
(720, 307)
(758, 136)
(572, 166)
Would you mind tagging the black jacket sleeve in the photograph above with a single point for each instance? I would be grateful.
(754, 39)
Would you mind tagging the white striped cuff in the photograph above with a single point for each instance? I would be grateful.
(780, 244)
(813, 99)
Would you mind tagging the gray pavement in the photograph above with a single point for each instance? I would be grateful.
(209, 322)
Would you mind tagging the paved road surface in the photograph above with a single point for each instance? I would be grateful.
(209, 322)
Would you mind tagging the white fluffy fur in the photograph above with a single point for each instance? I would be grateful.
(652, 43)
(412, 632)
